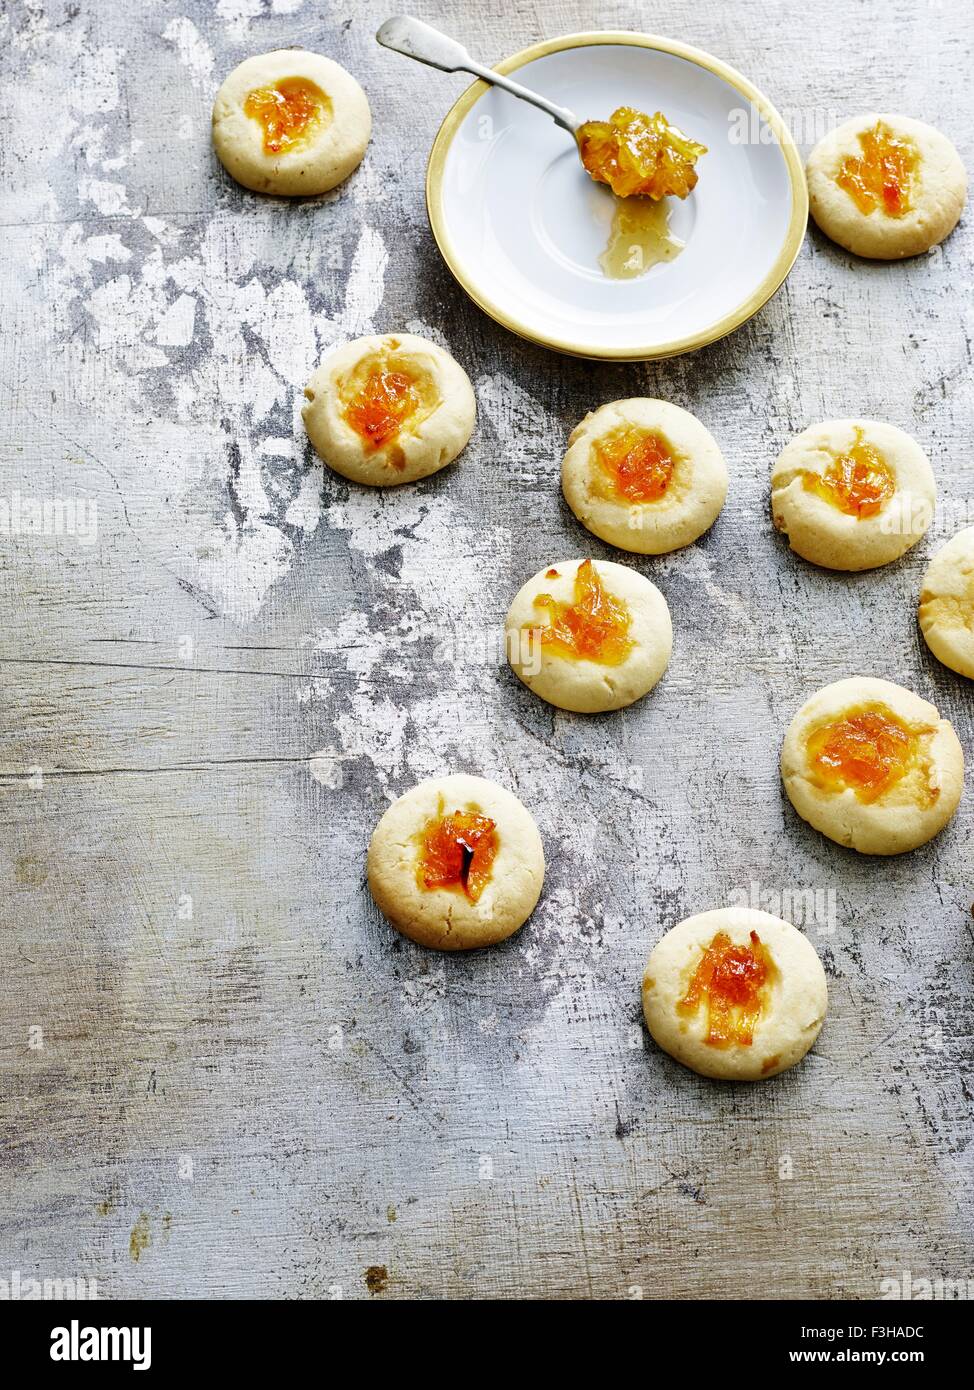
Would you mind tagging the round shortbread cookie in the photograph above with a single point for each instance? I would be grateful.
(441, 894)
(947, 603)
(872, 766)
(644, 475)
(852, 494)
(616, 635)
(291, 123)
(709, 987)
(389, 409)
(884, 219)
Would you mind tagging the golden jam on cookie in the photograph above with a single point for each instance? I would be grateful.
(637, 463)
(290, 112)
(732, 982)
(882, 176)
(859, 482)
(637, 154)
(593, 627)
(868, 750)
(382, 405)
(458, 851)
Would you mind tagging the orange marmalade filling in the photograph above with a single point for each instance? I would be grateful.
(868, 750)
(882, 176)
(732, 982)
(458, 851)
(381, 407)
(290, 112)
(638, 463)
(594, 627)
(638, 154)
(858, 482)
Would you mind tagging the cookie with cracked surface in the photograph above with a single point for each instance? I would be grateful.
(290, 123)
(946, 611)
(872, 766)
(852, 494)
(886, 186)
(389, 408)
(735, 994)
(644, 475)
(456, 863)
(589, 636)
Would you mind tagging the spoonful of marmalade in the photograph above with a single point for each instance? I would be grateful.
(637, 155)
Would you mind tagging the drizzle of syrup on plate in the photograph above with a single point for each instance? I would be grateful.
(639, 238)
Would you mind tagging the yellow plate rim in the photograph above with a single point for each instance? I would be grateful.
(676, 346)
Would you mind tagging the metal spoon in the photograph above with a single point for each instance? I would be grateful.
(403, 34)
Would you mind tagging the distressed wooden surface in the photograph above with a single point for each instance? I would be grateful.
(248, 1084)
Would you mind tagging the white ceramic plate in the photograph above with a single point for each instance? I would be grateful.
(521, 225)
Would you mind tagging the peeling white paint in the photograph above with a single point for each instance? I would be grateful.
(175, 327)
(325, 767)
(110, 199)
(366, 284)
(237, 14)
(192, 50)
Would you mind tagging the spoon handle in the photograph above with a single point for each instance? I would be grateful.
(421, 41)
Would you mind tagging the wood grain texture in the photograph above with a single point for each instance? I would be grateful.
(248, 1084)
